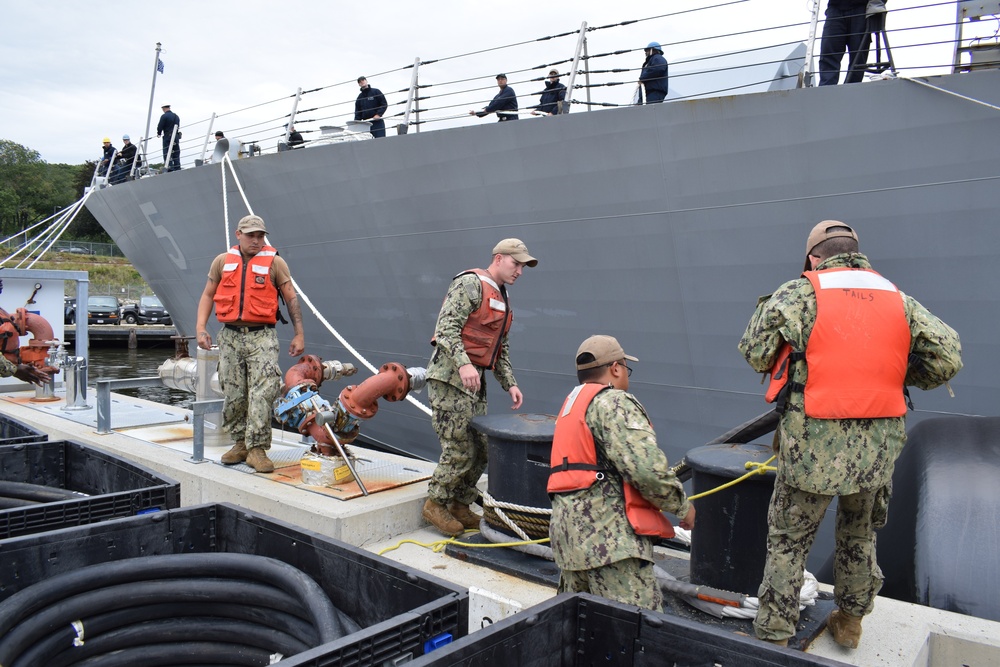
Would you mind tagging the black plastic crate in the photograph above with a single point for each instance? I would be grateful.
(13, 432)
(398, 608)
(115, 487)
(578, 630)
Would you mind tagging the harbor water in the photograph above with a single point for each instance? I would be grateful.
(120, 363)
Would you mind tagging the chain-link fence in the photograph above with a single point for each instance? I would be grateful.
(86, 248)
(123, 292)
(68, 247)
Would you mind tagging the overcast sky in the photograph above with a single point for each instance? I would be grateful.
(72, 73)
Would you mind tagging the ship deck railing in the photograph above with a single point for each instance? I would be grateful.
(600, 66)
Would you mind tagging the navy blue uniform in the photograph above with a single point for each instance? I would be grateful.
(654, 78)
(371, 102)
(554, 93)
(505, 100)
(843, 30)
(165, 128)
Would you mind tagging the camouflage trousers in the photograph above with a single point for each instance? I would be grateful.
(793, 518)
(463, 449)
(629, 581)
(250, 379)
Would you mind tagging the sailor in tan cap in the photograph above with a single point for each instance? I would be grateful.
(609, 483)
(842, 343)
(470, 338)
(243, 287)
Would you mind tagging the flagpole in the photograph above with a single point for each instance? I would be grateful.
(149, 115)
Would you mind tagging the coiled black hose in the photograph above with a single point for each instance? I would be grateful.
(190, 591)
(180, 631)
(191, 653)
(36, 493)
(61, 640)
(11, 503)
(34, 621)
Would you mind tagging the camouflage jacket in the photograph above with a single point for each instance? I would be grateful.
(465, 295)
(841, 456)
(7, 367)
(589, 527)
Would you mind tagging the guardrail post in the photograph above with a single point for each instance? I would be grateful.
(103, 406)
(200, 409)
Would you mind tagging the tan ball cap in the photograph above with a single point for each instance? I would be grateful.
(828, 229)
(516, 249)
(251, 223)
(605, 349)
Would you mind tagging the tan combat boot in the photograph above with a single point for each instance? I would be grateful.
(439, 517)
(469, 519)
(236, 454)
(257, 459)
(846, 629)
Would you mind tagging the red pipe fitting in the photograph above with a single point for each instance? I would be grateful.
(391, 383)
(37, 326)
(308, 370)
(21, 323)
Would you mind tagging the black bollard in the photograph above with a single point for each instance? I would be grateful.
(519, 447)
(729, 542)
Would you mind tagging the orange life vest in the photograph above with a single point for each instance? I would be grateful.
(857, 351)
(483, 332)
(574, 463)
(245, 292)
(10, 341)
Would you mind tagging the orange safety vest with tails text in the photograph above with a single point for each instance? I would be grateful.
(857, 352)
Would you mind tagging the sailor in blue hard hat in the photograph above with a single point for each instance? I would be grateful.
(654, 73)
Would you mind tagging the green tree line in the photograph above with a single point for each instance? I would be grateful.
(32, 190)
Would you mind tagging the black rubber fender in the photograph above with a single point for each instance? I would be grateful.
(938, 547)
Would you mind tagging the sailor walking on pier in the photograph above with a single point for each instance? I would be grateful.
(470, 338)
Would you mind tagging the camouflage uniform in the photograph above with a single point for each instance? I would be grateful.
(592, 541)
(822, 458)
(248, 370)
(250, 379)
(7, 367)
(463, 450)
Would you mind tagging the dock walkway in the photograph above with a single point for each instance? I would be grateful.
(147, 335)
(161, 437)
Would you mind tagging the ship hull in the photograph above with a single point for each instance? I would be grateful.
(660, 225)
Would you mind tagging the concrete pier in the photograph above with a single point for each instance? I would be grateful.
(160, 437)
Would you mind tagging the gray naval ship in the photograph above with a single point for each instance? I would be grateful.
(660, 224)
